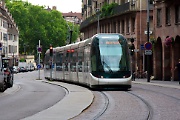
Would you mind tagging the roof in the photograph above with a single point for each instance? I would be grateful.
(71, 14)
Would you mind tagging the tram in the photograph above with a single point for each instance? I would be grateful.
(101, 61)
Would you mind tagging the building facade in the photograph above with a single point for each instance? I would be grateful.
(9, 35)
(129, 17)
(76, 19)
(167, 38)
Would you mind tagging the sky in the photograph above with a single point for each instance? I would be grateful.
(63, 6)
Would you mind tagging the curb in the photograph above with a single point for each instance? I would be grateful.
(158, 84)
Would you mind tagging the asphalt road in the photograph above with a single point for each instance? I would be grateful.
(28, 96)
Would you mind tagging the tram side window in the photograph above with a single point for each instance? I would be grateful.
(73, 58)
(66, 61)
(80, 60)
(59, 62)
(95, 56)
(47, 61)
(124, 63)
(93, 59)
(86, 58)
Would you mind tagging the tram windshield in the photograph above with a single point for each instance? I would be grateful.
(110, 57)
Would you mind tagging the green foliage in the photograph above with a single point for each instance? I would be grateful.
(22, 60)
(107, 9)
(36, 23)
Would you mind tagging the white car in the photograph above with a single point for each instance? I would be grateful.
(15, 69)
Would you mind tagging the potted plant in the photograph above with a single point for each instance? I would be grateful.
(169, 41)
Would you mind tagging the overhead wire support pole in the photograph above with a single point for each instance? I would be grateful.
(98, 15)
(148, 56)
(39, 59)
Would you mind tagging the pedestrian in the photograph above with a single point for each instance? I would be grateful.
(178, 69)
(133, 76)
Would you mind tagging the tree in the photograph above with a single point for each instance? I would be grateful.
(36, 23)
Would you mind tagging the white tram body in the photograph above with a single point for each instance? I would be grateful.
(101, 61)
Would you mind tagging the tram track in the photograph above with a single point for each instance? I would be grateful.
(141, 102)
(149, 108)
(175, 98)
(103, 110)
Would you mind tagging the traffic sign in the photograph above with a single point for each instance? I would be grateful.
(148, 52)
(148, 46)
(38, 66)
(136, 50)
(142, 46)
(39, 50)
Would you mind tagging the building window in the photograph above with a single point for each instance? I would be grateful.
(150, 1)
(118, 27)
(168, 16)
(114, 27)
(5, 24)
(127, 26)
(159, 20)
(1, 36)
(177, 14)
(5, 36)
(122, 27)
(109, 27)
(133, 25)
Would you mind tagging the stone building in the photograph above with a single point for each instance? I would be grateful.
(129, 17)
(9, 35)
(166, 38)
(75, 18)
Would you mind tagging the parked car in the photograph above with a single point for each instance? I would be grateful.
(22, 69)
(15, 69)
(2, 81)
(30, 67)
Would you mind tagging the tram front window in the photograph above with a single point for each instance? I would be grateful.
(111, 58)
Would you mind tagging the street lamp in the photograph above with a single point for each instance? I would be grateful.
(98, 14)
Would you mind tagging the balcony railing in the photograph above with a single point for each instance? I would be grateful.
(118, 10)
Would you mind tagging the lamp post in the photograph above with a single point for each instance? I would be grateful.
(13, 52)
(98, 14)
(148, 56)
(71, 29)
(39, 49)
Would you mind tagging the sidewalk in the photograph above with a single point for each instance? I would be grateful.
(170, 84)
(77, 99)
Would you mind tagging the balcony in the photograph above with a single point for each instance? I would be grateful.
(118, 10)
